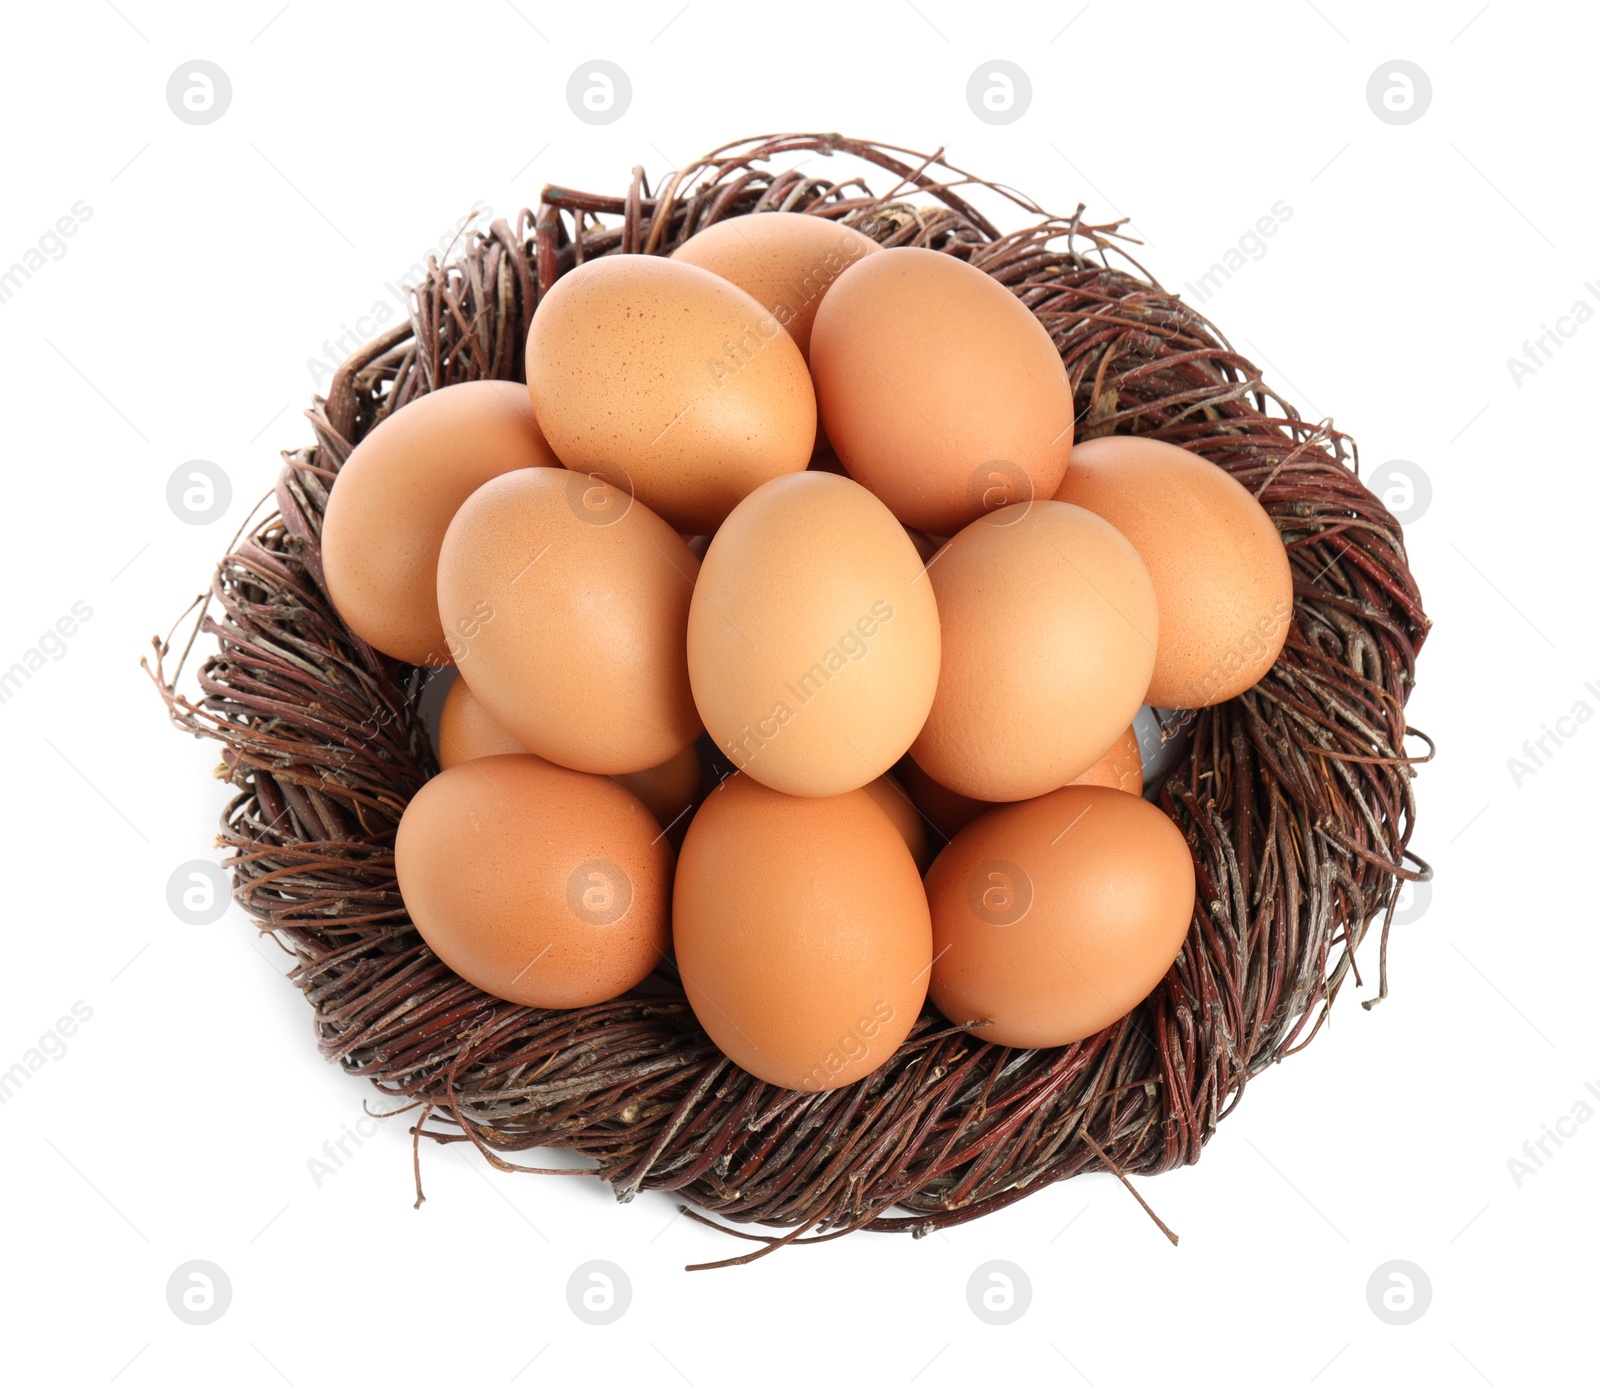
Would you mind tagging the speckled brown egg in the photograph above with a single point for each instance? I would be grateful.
(1049, 634)
(567, 603)
(786, 261)
(813, 637)
(539, 885)
(670, 382)
(1054, 918)
(801, 933)
(939, 389)
(396, 495)
(1220, 570)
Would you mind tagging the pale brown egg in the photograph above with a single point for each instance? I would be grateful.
(566, 603)
(396, 495)
(889, 794)
(801, 933)
(1054, 918)
(1121, 767)
(669, 790)
(467, 732)
(786, 261)
(813, 636)
(536, 884)
(940, 390)
(1049, 634)
(1220, 570)
(670, 382)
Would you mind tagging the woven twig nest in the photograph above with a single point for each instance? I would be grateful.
(1295, 798)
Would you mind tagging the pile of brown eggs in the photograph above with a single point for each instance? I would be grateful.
(706, 545)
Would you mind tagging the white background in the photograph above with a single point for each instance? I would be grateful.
(179, 324)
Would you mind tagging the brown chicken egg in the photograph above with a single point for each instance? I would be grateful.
(813, 637)
(947, 812)
(1049, 634)
(538, 885)
(1220, 570)
(1054, 918)
(889, 794)
(938, 804)
(396, 495)
(467, 732)
(669, 382)
(926, 545)
(1121, 767)
(566, 602)
(668, 790)
(786, 261)
(939, 389)
(801, 933)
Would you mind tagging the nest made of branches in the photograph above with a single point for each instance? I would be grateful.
(1295, 798)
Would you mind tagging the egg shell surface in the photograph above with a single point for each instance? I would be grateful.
(1049, 633)
(890, 795)
(939, 389)
(468, 732)
(669, 382)
(786, 261)
(1221, 573)
(801, 932)
(567, 602)
(813, 637)
(1121, 767)
(1054, 918)
(537, 884)
(396, 495)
